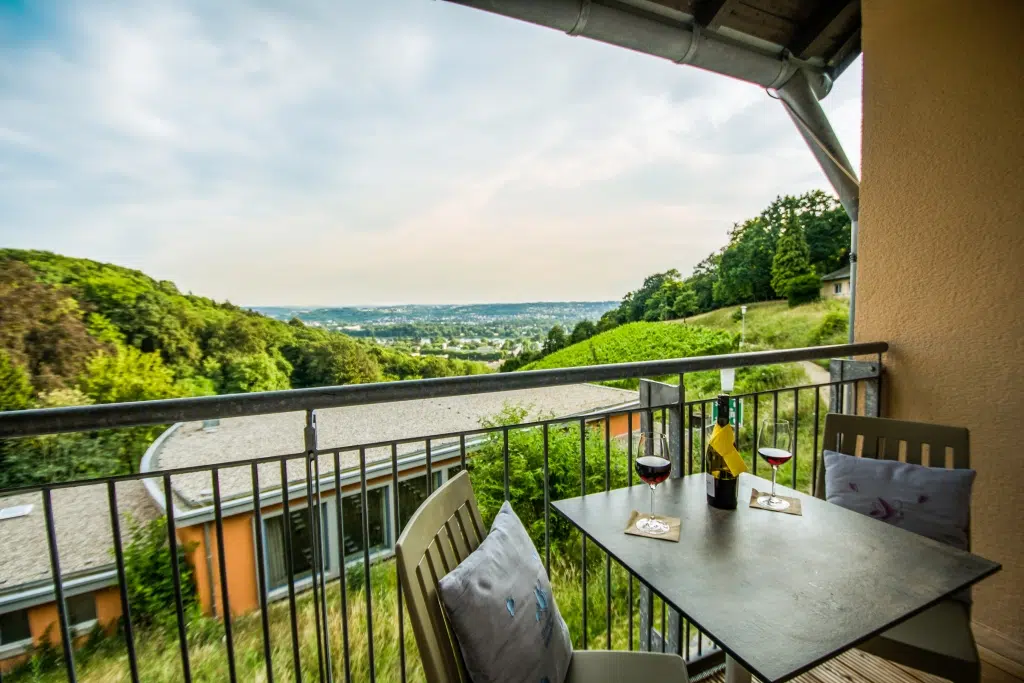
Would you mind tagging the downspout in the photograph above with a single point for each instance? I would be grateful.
(798, 96)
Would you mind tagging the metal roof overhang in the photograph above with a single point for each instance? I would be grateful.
(794, 47)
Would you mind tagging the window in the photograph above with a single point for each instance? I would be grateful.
(302, 546)
(81, 608)
(352, 518)
(411, 494)
(837, 288)
(14, 627)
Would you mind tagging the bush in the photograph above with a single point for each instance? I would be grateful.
(526, 472)
(832, 329)
(803, 289)
(147, 564)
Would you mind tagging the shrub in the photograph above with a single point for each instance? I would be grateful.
(526, 472)
(803, 289)
(832, 329)
(147, 564)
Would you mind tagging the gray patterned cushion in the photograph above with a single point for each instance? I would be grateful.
(501, 609)
(929, 501)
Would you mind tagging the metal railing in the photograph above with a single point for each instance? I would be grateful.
(331, 566)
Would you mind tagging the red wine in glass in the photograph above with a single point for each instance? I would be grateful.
(776, 437)
(653, 467)
(776, 457)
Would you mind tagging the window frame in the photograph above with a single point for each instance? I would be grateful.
(274, 593)
(837, 288)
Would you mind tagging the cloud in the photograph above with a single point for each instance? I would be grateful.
(401, 151)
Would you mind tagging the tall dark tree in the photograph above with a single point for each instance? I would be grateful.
(792, 258)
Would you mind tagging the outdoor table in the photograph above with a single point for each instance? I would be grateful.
(779, 593)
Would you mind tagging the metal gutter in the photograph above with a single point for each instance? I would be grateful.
(43, 591)
(680, 39)
(105, 416)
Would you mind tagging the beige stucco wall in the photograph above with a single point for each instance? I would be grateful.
(942, 247)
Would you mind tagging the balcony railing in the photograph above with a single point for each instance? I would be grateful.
(319, 553)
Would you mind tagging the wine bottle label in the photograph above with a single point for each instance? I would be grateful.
(711, 484)
(722, 440)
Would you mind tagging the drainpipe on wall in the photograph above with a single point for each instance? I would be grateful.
(209, 568)
(802, 105)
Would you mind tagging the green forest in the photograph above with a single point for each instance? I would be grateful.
(79, 332)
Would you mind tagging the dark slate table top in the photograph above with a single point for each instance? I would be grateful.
(829, 579)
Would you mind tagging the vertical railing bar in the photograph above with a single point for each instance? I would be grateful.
(122, 582)
(682, 424)
(687, 646)
(430, 467)
(664, 634)
(629, 447)
(222, 565)
(366, 555)
(664, 429)
(322, 540)
(290, 566)
(58, 587)
(583, 492)
(504, 455)
(462, 450)
(315, 569)
(796, 430)
(775, 417)
(757, 435)
(340, 522)
(703, 432)
(261, 571)
(398, 532)
(700, 643)
(547, 505)
(814, 453)
(172, 543)
(689, 441)
(878, 389)
(630, 611)
(607, 557)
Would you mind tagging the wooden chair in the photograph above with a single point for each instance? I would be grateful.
(440, 535)
(938, 641)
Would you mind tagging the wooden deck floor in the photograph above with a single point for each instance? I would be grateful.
(855, 666)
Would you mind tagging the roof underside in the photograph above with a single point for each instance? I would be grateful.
(823, 31)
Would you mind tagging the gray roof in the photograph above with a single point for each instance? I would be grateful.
(82, 521)
(841, 274)
(282, 433)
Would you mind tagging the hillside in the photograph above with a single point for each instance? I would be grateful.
(638, 342)
(77, 332)
(773, 324)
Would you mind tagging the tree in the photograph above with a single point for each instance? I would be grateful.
(127, 375)
(685, 304)
(583, 331)
(556, 339)
(15, 387)
(792, 258)
(804, 289)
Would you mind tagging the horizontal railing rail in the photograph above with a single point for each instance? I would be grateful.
(333, 547)
(37, 422)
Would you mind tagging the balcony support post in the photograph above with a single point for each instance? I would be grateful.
(844, 398)
(660, 394)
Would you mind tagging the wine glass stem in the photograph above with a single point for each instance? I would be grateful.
(652, 503)
(775, 468)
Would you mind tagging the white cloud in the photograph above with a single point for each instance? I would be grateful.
(338, 153)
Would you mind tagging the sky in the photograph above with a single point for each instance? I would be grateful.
(316, 152)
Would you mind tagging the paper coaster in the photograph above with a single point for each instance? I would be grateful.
(793, 509)
(671, 535)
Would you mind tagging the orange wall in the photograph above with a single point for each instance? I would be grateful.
(942, 247)
(239, 557)
(43, 623)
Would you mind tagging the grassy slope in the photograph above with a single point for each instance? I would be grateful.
(774, 324)
(638, 342)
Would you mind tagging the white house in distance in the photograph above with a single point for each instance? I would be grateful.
(836, 284)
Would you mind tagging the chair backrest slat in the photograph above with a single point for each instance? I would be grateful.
(440, 535)
(881, 437)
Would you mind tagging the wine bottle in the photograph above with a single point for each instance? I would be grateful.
(721, 479)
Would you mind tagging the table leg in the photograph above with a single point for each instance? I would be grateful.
(735, 672)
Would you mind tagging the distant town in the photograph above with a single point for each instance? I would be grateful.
(483, 332)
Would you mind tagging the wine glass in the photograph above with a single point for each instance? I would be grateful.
(653, 467)
(773, 444)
